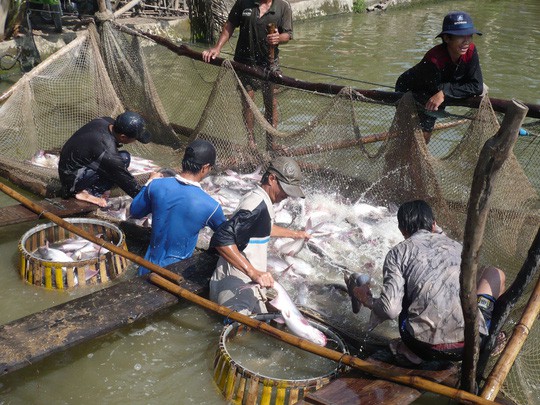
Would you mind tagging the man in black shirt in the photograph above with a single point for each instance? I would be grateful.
(255, 44)
(90, 162)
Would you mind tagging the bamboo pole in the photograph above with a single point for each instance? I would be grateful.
(127, 7)
(492, 156)
(413, 381)
(506, 360)
(86, 235)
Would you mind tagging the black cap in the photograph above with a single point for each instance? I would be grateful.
(458, 23)
(201, 152)
(132, 125)
(288, 174)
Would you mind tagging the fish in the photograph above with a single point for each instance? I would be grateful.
(140, 165)
(44, 159)
(55, 255)
(291, 248)
(300, 266)
(355, 280)
(294, 320)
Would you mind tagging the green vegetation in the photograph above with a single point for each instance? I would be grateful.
(359, 6)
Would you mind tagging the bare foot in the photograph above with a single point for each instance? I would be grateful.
(86, 196)
(398, 347)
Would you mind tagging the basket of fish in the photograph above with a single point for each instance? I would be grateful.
(251, 367)
(54, 257)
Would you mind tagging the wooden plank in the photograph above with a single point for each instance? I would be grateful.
(34, 337)
(358, 388)
(15, 214)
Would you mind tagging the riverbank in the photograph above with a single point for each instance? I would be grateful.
(48, 41)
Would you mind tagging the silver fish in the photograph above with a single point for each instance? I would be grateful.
(294, 319)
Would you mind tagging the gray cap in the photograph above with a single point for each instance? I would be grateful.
(288, 174)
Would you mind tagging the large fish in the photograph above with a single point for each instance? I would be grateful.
(55, 255)
(294, 319)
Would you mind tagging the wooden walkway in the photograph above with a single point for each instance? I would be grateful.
(356, 387)
(15, 214)
(34, 337)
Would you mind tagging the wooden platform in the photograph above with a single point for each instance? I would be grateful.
(34, 337)
(358, 388)
(15, 214)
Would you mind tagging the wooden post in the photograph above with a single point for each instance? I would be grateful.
(269, 97)
(102, 6)
(492, 156)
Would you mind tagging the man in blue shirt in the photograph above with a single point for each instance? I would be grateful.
(180, 208)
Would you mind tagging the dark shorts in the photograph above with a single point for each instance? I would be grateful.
(445, 351)
(90, 180)
(252, 83)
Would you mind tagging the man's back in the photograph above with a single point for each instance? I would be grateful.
(426, 268)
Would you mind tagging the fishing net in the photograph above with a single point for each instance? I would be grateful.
(358, 146)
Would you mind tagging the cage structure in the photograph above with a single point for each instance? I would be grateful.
(102, 268)
(241, 385)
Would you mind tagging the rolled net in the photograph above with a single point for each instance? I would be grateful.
(359, 148)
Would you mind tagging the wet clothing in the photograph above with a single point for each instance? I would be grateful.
(180, 209)
(249, 228)
(421, 286)
(436, 71)
(90, 160)
(252, 48)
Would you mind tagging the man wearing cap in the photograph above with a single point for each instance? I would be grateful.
(449, 70)
(180, 208)
(90, 162)
(242, 242)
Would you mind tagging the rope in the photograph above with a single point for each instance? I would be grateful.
(194, 45)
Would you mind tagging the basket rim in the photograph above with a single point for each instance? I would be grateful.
(75, 263)
(263, 378)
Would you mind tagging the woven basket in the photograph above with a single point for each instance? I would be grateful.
(64, 275)
(242, 386)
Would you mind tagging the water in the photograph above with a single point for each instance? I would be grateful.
(168, 358)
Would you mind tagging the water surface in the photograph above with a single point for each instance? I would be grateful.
(168, 358)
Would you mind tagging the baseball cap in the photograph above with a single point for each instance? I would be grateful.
(201, 152)
(132, 125)
(458, 23)
(288, 174)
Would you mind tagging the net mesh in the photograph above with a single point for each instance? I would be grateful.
(362, 149)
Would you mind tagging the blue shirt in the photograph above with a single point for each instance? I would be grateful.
(180, 209)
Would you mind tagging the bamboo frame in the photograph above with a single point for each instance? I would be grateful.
(506, 360)
(492, 156)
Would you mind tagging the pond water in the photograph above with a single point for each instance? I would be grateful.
(168, 358)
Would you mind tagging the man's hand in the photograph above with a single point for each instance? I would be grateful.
(273, 38)
(363, 294)
(435, 101)
(210, 54)
(263, 278)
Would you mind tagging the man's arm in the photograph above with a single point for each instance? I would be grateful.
(281, 232)
(113, 167)
(226, 33)
(238, 260)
